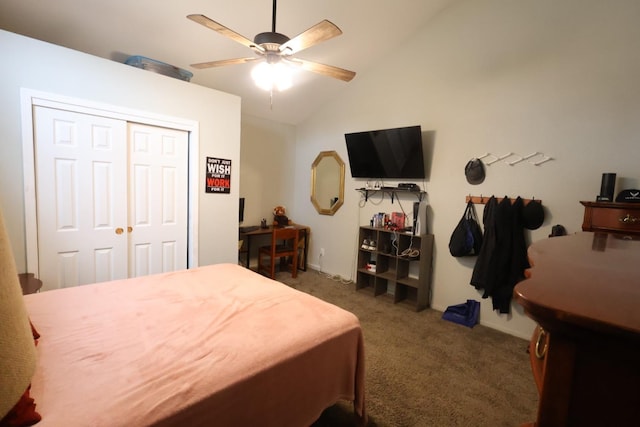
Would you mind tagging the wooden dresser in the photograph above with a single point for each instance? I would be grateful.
(583, 290)
(611, 217)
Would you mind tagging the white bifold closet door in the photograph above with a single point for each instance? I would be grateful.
(111, 198)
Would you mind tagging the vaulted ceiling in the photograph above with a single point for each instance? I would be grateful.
(118, 29)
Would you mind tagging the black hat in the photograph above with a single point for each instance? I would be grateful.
(533, 215)
(474, 171)
(628, 196)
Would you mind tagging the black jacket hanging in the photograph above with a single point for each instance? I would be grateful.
(516, 262)
(503, 256)
(481, 271)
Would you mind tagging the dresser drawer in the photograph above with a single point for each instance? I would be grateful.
(621, 218)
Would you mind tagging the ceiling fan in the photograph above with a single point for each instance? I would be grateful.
(275, 48)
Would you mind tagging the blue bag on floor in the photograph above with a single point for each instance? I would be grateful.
(465, 314)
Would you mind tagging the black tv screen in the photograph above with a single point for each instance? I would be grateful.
(386, 153)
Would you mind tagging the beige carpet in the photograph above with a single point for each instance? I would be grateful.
(424, 371)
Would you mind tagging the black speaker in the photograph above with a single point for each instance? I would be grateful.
(416, 208)
(607, 187)
(241, 209)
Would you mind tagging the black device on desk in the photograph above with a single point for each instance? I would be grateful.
(248, 228)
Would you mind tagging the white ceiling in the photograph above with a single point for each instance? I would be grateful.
(117, 29)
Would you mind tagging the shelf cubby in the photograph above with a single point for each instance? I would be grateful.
(402, 266)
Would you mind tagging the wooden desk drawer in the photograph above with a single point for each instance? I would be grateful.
(612, 217)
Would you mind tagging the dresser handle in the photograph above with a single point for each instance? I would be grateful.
(629, 219)
(541, 336)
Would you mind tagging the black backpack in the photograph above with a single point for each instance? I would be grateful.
(466, 239)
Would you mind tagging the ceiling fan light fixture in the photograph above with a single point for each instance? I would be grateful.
(270, 39)
(270, 76)
(278, 51)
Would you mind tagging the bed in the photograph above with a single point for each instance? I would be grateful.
(216, 345)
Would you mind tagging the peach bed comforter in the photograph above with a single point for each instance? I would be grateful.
(211, 346)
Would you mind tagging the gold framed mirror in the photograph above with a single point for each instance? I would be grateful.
(327, 182)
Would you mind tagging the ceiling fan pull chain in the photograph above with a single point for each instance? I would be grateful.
(273, 19)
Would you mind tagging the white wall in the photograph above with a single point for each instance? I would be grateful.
(268, 162)
(28, 63)
(491, 76)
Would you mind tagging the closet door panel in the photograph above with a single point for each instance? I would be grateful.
(158, 199)
(81, 168)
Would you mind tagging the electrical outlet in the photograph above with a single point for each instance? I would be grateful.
(321, 251)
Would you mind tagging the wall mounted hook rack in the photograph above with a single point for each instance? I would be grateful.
(536, 158)
(483, 200)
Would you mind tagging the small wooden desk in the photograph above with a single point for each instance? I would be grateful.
(584, 291)
(251, 235)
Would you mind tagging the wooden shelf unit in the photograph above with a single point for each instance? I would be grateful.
(399, 278)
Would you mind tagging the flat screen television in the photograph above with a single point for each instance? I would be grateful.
(386, 153)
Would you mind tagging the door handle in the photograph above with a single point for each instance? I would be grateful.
(541, 350)
(119, 230)
(129, 229)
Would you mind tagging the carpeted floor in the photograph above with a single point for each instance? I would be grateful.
(424, 371)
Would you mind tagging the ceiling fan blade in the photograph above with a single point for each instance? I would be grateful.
(227, 32)
(224, 62)
(327, 70)
(320, 32)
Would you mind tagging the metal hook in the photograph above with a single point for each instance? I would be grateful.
(539, 162)
(521, 158)
(495, 159)
(533, 155)
(518, 160)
